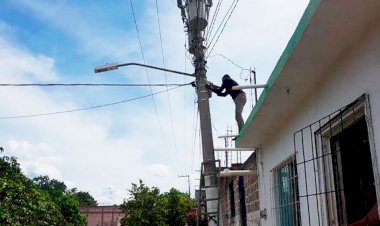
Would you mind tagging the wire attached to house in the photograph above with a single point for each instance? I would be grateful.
(242, 69)
(88, 108)
(231, 61)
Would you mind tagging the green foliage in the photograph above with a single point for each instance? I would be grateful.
(67, 203)
(24, 204)
(148, 207)
(41, 201)
(9, 168)
(144, 207)
(85, 199)
(21, 202)
(53, 186)
(177, 205)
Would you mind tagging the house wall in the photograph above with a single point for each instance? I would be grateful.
(356, 72)
(251, 197)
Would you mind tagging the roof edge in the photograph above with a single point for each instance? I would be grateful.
(301, 27)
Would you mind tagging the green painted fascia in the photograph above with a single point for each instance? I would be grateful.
(302, 25)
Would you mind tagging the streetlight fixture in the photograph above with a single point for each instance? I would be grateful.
(115, 66)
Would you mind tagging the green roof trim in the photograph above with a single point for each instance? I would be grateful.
(302, 25)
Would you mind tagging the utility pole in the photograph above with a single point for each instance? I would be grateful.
(205, 122)
(188, 181)
(196, 23)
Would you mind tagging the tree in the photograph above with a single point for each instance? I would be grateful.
(53, 186)
(144, 207)
(21, 202)
(67, 203)
(84, 199)
(177, 206)
(148, 207)
(42, 201)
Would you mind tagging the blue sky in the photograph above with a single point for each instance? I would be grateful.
(104, 150)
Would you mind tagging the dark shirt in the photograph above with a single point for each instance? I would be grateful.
(227, 85)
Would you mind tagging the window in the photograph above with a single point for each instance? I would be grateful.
(285, 190)
(335, 168)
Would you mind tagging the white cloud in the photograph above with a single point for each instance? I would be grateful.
(18, 65)
(158, 170)
(36, 159)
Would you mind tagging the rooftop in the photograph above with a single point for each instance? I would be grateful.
(324, 33)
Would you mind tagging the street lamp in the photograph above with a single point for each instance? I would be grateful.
(115, 66)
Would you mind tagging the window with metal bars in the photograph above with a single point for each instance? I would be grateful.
(285, 190)
(335, 170)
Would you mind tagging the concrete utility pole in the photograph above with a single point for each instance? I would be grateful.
(205, 122)
(196, 22)
(188, 181)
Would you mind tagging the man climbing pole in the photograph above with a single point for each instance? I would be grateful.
(238, 96)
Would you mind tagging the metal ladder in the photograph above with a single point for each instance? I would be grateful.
(202, 201)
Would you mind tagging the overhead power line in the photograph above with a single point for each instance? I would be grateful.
(88, 108)
(209, 40)
(166, 80)
(214, 17)
(89, 84)
(224, 26)
(147, 74)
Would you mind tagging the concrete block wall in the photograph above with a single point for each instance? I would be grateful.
(251, 189)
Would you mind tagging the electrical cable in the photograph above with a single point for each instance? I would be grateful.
(87, 84)
(195, 124)
(213, 126)
(224, 26)
(147, 75)
(213, 20)
(166, 79)
(221, 23)
(86, 108)
(216, 132)
(231, 61)
(235, 64)
(184, 103)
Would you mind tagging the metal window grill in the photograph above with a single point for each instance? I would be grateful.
(285, 189)
(319, 166)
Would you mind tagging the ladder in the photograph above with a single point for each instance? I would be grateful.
(203, 213)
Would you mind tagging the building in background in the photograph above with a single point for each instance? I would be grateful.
(102, 215)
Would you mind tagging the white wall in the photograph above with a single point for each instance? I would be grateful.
(356, 73)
